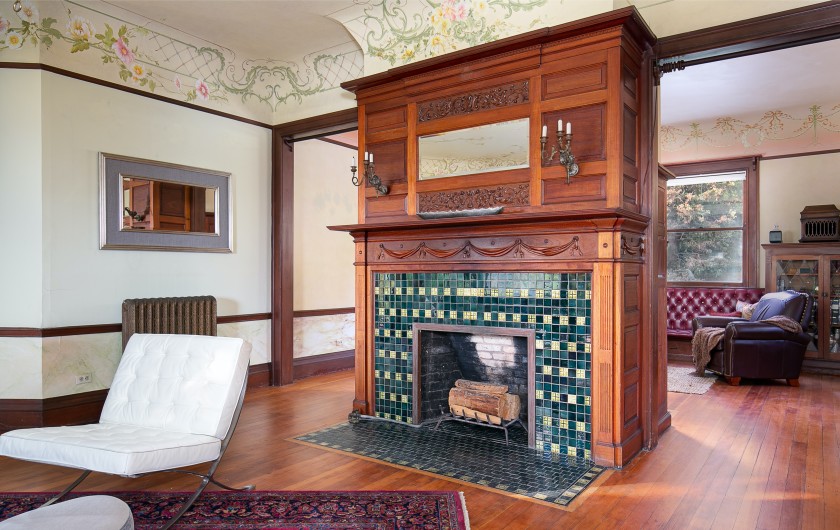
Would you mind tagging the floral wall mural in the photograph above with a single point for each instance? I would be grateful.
(775, 132)
(114, 48)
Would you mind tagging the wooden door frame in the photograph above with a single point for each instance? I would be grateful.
(806, 25)
(282, 232)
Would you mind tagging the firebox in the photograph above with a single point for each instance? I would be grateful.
(444, 354)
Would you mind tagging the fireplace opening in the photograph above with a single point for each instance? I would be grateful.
(444, 354)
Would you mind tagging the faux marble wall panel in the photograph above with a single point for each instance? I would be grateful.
(36, 368)
(64, 358)
(20, 376)
(324, 334)
(257, 333)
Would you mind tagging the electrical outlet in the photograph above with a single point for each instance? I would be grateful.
(82, 379)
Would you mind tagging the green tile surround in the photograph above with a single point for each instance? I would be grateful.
(557, 306)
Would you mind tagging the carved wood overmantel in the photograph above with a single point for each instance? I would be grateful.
(596, 73)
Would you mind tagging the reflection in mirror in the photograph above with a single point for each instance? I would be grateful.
(157, 205)
(493, 147)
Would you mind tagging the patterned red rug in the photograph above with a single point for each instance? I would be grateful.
(286, 510)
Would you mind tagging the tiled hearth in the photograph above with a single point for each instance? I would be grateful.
(557, 306)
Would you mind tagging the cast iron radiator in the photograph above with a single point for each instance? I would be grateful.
(188, 315)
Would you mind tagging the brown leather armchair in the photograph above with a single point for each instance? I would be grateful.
(758, 350)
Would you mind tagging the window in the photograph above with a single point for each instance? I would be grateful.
(711, 220)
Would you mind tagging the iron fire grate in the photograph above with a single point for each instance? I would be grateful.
(466, 453)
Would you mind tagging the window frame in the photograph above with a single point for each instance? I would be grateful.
(749, 252)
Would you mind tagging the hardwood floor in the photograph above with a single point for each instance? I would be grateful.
(762, 455)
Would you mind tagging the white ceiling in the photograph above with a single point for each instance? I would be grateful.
(782, 79)
(264, 29)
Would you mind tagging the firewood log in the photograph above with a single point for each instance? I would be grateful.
(505, 406)
(487, 388)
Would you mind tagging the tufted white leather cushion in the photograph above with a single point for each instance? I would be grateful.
(181, 383)
(170, 404)
(110, 448)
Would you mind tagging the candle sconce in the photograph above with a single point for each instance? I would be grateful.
(369, 175)
(562, 150)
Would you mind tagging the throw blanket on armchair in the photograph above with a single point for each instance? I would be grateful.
(706, 339)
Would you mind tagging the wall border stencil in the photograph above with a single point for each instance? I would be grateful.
(116, 46)
(776, 132)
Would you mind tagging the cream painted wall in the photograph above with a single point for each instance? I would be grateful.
(671, 17)
(787, 186)
(21, 230)
(324, 195)
(86, 285)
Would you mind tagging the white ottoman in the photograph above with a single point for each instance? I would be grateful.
(95, 512)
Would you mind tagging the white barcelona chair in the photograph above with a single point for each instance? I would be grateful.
(174, 402)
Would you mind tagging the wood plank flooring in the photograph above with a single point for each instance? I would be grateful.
(762, 455)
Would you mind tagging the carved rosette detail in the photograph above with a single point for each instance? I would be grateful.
(492, 98)
(516, 195)
(632, 246)
(518, 248)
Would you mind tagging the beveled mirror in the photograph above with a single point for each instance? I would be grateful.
(149, 205)
(482, 149)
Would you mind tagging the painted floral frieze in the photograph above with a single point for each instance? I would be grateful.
(171, 65)
(401, 31)
(775, 132)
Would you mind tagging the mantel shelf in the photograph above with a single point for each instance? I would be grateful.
(618, 217)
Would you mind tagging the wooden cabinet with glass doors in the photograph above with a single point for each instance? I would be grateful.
(813, 268)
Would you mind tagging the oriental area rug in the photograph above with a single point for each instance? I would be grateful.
(684, 379)
(464, 453)
(287, 510)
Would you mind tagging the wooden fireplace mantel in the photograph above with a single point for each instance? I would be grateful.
(603, 223)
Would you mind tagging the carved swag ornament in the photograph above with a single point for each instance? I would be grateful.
(518, 248)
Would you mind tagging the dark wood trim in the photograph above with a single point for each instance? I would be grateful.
(336, 142)
(324, 363)
(95, 329)
(795, 27)
(230, 319)
(324, 312)
(136, 92)
(259, 375)
(628, 17)
(751, 209)
(348, 117)
(282, 233)
(282, 263)
(796, 155)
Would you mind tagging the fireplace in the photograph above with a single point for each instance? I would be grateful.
(553, 308)
(443, 354)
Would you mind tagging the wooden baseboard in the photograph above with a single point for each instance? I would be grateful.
(323, 364)
(78, 409)
(259, 375)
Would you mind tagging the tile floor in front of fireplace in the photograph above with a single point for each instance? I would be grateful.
(466, 453)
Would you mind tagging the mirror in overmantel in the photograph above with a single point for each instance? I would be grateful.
(159, 205)
(482, 149)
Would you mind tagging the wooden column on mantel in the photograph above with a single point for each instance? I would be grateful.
(595, 73)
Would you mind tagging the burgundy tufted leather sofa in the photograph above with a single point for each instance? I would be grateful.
(685, 303)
